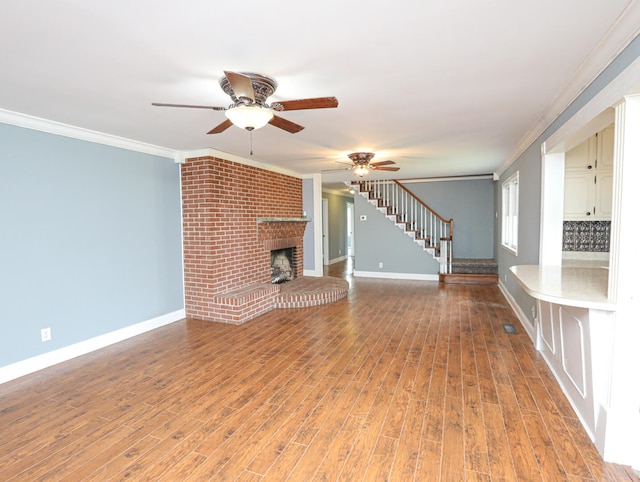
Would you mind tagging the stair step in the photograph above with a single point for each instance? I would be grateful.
(469, 279)
(474, 266)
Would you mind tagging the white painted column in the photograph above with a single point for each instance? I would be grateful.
(551, 214)
(623, 417)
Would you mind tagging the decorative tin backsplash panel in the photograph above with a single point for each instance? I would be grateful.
(588, 236)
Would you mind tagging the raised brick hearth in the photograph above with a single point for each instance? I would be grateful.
(233, 216)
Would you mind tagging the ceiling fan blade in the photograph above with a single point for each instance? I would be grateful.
(159, 104)
(341, 169)
(385, 168)
(381, 163)
(316, 103)
(347, 163)
(285, 124)
(241, 85)
(221, 127)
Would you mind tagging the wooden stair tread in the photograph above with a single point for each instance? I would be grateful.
(469, 278)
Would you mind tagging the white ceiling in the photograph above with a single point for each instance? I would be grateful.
(448, 87)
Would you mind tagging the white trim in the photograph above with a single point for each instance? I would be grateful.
(317, 225)
(208, 152)
(448, 178)
(609, 96)
(551, 209)
(621, 33)
(40, 362)
(337, 260)
(58, 128)
(522, 318)
(325, 232)
(184, 288)
(404, 276)
(510, 213)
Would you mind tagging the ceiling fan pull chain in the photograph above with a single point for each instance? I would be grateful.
(251, 142)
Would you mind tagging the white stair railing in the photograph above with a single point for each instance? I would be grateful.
(416, 218)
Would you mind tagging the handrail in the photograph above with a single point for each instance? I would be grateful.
(450, 221)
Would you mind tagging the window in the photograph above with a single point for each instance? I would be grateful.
(510, 213)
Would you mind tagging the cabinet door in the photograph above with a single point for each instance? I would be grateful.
(582, 156)
(604, 195)
(579, 194)
(605, 148)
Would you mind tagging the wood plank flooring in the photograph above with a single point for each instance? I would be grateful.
(402, 380)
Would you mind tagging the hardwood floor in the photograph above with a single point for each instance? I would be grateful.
(402, 380)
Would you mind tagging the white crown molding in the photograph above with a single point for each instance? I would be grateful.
(208, 152)
(66, 130)
(447, 178)
(606, 98)
(618, 37)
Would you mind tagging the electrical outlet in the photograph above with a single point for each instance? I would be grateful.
(380, 265)
(339, 251)
(45, 334)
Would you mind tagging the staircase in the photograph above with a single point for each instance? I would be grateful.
(418, 221)
(428, 229)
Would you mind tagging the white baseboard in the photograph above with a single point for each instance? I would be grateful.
(524, 321)
(31, 365)
(337, 260)
(313, 272)
(406, 276)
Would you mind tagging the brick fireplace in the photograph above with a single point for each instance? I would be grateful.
(233, 216)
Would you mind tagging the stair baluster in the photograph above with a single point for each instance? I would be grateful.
(414, 217)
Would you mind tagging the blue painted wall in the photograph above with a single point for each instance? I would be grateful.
(90, 240)
(378, 240)
(470, 204)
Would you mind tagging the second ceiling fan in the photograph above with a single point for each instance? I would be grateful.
(361, 163)
(249, 109)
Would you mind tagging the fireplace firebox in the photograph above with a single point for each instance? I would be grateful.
(282, 265)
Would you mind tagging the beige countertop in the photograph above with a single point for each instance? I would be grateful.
(582, 285)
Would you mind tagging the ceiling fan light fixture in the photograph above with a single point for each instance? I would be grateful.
(361, 170)
(249, 117)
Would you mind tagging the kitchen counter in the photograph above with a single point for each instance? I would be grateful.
(581, 285)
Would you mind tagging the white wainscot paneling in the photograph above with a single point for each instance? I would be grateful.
(573, 325)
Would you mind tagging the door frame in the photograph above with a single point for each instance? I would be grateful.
(325, 232)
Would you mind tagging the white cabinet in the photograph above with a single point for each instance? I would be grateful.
(588, 181)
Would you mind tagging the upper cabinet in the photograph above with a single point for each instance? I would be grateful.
(588, 181)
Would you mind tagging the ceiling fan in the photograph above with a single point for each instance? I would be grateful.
(249, 109)
(361, 163)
